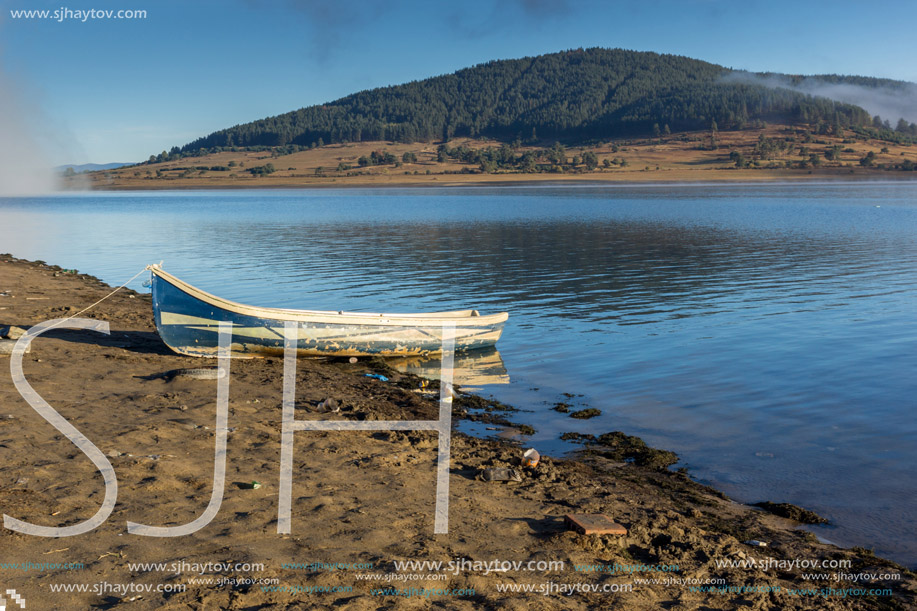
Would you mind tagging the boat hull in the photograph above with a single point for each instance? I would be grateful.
(188, 319)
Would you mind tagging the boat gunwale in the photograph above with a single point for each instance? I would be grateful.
(464, 317)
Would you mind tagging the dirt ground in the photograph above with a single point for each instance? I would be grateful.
(361, 501)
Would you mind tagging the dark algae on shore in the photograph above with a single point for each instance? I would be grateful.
(619, 446)
(792, 512)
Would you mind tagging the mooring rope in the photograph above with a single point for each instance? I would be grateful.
(87, 308)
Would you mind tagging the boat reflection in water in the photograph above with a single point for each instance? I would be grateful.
(471, 370)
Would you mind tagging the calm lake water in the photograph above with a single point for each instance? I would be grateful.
(766, 333)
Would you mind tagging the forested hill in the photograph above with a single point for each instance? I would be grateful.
(571, 96)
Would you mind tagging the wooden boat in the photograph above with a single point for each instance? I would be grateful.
(187, 320)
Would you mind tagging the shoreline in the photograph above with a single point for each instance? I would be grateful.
(162, 454)
(441, 181)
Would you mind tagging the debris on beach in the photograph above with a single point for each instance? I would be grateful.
(593, 524)
(376, 376)
(6, 347)
(12, 331)
(756, 543)
(203, 373)
(328, 405)
(499, 474)
(530, 458)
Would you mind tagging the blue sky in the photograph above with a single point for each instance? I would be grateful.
(118, 90)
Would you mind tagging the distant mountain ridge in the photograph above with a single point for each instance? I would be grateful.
(576, 95)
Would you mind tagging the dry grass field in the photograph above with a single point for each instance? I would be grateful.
(683, 157)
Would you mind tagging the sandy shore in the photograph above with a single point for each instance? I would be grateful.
(358, 498)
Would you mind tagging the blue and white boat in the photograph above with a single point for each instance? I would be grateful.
(188, 318)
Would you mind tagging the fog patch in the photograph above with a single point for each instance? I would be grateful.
(889, 102)
(31, 140)
(24, 165)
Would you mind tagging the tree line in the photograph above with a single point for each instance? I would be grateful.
(574, 96)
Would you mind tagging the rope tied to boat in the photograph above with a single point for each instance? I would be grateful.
(89, 307)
